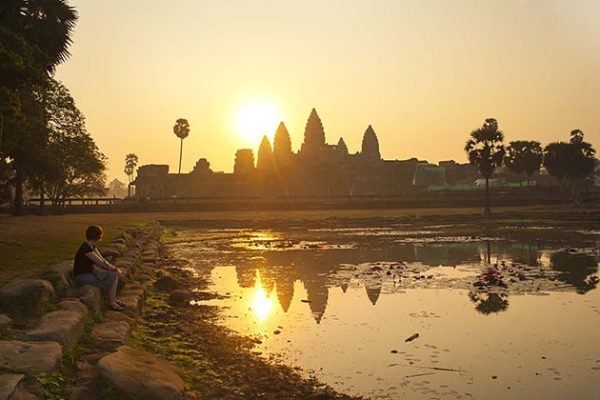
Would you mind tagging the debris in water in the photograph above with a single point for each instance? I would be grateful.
(276, 332)
(306, 301)
(394, 351)
(412, 337)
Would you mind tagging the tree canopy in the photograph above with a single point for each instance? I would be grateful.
(524, 157)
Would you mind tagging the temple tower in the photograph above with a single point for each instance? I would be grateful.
(265, 161)
(282, 145)
(370, 146)
(244, 162)
(314, 135)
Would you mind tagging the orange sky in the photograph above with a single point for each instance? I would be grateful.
(423, 73)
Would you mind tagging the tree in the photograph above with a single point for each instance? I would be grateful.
(131, 161)
(571, 162)
(34, 39)
(485, 149)
(524, 157)
(181, 130)
(72, 164)
(116, 188)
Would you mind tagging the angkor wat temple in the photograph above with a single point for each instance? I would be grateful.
(317, 169)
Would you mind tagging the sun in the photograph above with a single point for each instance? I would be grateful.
(256, 119)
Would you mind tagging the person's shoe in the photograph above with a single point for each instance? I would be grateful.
(119, 302)
(115, 307)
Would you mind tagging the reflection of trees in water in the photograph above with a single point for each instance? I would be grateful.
(280, 269)
(489, 302)
(576, 269)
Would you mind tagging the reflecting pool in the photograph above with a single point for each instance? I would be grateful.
(392, 310)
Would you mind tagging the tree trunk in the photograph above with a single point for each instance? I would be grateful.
(42, 199)
(180, 154)
(18, 204)
(487, 210)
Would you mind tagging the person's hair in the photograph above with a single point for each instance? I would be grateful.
(93, 232)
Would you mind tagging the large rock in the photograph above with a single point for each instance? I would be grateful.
(5, 319)
(111, 334)
(29, 356)
(132, 305)
(74, 305)
(141, 375)
(65, 327)
(61, 277)
(91, 296)
(166, 283)
(180, 297)
(8, 384)
(27, 295)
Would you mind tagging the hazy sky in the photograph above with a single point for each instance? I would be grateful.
(424, 73)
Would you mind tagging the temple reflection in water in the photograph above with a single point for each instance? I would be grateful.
(275, 274)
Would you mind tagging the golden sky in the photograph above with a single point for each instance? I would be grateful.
(424, 73)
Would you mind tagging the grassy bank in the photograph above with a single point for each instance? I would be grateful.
(28, 244)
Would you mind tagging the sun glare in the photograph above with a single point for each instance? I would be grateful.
(257, 119)
(261, 304)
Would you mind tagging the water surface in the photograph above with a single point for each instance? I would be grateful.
(339, 298)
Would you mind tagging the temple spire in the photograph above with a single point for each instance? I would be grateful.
(370, 146)
(314, 134)
(264, 162)
(282, 145)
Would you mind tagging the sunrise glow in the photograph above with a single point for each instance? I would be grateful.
(256, 119)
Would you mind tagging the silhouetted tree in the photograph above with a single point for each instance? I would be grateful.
(131, 161)
(74, 166)
(571, 162)
(524, 157)
(36, 34)
(181, 130)
(116, 188)
(485, 149)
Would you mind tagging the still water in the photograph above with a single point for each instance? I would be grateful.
(339, 299)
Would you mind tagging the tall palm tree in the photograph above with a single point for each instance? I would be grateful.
(181, 130)
(485, 149)
(131, 161)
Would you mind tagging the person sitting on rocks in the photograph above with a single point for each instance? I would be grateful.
(90, 268)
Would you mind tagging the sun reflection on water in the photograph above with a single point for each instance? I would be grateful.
(261, 303)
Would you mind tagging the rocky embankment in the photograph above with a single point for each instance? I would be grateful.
(58, 340)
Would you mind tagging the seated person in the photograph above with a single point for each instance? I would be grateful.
(90, 268)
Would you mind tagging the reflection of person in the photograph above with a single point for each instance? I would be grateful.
(90, 268)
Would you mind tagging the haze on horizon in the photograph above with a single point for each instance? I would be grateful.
(424, 73)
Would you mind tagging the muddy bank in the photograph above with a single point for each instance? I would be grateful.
(216, 362)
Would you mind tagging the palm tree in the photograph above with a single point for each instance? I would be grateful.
(131, 161)
(485, 149)
(181, 130)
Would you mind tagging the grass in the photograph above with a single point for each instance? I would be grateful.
(31, 243)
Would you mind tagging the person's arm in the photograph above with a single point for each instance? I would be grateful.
(99, 261)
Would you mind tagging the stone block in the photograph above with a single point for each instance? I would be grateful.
(61, 277)
(111, 334)
(91, 296)
(30, 356)
(65, 327)
(8, 384)
(132, 305)
(74, 305)
(26, 295)
(141, 375)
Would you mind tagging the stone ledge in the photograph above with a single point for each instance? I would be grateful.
(141, 375)
(65, 327)
(29, 356)
(111, 334)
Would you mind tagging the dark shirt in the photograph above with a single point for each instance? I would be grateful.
(83, 264)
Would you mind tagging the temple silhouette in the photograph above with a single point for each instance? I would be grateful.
(317, 169)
